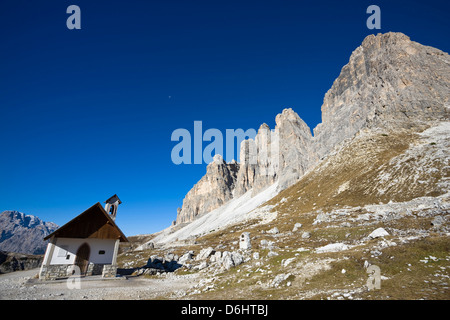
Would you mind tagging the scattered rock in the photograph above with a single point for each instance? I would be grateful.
(215, 257)
(380, 232)
(438, 221)
(272, 254)
(205, 253)
(237, 258)
(332, 247)
(306, 235)
(158, 263)
(279, 278)
(321, 217)
(201, 266)
(227, 261)
(188, 256)
(296, 227)
(274, 230)
(265, 244)
(170, 257)
(146, 246)
(286, 262)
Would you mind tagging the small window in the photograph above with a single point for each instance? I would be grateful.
(62, 252)
(101, 252)
(68, 257)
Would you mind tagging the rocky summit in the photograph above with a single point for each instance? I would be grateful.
(23, 233)
(213, 190)
(390, 82)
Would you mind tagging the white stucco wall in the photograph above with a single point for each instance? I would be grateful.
(66, 249)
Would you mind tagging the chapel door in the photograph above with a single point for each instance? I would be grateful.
(82, 259)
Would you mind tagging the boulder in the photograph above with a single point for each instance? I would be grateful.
(380, 232)
(227, 261)
(205, 253)
(202, 266)
(274, 230)
(188, 256)
(237, 258)
(296, 227)
(306, 235)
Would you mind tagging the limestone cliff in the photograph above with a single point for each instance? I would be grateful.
(296, 152)
(213, 190)
(389, 82)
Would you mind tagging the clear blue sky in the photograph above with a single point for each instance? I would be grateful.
(86, 113)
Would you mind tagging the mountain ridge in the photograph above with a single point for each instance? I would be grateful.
(389, 82)
(23, 233)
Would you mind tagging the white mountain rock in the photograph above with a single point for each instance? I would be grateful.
(389, 83)
(23, 233)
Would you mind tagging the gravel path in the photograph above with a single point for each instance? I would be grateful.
(23, 285)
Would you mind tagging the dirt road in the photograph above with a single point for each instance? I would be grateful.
(23, 285)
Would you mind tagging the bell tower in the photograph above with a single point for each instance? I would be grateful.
(111, 206)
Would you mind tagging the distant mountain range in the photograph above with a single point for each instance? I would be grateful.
(23, 233)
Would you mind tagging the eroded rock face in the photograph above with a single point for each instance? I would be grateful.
(389, 82)
(212, 191)
(246, 174)
(23, 233)
(284, 154)
(259, 162)
(297, 152)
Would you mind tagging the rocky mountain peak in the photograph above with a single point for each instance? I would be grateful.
(390, 82)
(288, 115)
(23, 233)
(264, 126)
(217, 160)
(213, 190)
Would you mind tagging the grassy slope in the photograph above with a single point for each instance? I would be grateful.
(372, 168)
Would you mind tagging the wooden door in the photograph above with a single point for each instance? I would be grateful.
(82, 259)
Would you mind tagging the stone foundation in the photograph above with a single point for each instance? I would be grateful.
(61, 271)
(53, 272)
(94, 269)
(109, 271)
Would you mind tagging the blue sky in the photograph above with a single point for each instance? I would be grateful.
(88, 113)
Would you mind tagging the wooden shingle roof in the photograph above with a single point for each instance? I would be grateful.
(95, 222)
